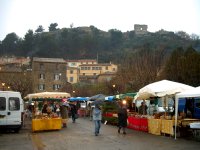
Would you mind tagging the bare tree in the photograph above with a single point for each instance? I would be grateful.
(21, 82)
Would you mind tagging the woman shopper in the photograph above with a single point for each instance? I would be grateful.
(97, 116)
(122, 118)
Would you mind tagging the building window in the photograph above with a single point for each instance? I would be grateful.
(41, 66)
(41, 87)
(71, 79)
(82, 68)
(114, 69)
(71, 71)
(94, 74)
(57, 67)
(106, 67)
(56, 87)
(88, 68)
(42, 76)
(100, 68)
(93, 68)
(57, 76)
(83, 74)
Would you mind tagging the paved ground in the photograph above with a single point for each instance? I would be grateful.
(80, 136)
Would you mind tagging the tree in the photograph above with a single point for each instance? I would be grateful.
(28, 42)
(21, 82)
(10, 44)
(115, 38)
(40, 29)
(140, 68)
(184, 66)
(52, 27)
(183, 34)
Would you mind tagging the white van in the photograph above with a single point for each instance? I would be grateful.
(11, 110)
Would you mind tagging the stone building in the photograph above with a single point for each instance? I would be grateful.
(140, 29)
(49, 74)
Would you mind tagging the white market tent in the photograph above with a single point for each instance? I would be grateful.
(47, 95)
(186, 94)
(160, 89)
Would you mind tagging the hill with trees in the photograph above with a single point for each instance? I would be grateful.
(88, 42)
(142, 59)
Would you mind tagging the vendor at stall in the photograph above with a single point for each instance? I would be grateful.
(143, 109)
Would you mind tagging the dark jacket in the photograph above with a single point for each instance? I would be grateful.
(122, 117)
(73, 109)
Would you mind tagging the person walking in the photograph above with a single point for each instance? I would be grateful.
(97, 117)
(64, 113)
(122, 118)
(74, 114)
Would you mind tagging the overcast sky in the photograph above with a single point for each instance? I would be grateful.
(172, 15)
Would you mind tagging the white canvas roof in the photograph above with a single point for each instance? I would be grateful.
(161, 88)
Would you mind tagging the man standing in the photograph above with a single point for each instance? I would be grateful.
(97, 117)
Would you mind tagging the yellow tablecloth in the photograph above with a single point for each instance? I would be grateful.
(167, 126)
(46, 124)
(154, 126)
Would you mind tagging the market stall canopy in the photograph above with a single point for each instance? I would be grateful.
(109, 98)
(78, 98)
(97, 97)
(186, 94)
(161, 88)
(189, 93)
(47, 95)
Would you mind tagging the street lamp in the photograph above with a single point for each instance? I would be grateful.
(74, 93)
(3, 85)
(113, 88)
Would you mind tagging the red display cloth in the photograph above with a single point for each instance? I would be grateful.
(144, 124)
(138, 123)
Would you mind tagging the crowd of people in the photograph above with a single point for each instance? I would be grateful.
(67, 109)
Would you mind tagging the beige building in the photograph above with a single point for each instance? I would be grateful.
(89, 71)
(49, 74)
(77, 63)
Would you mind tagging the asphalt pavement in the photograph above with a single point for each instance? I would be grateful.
(80, 136)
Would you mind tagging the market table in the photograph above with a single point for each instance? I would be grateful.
(184, 126)
(46, 124)
(154, 126)
(137, 123)
(167, 127)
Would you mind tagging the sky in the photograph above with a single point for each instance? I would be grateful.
(171, 15)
